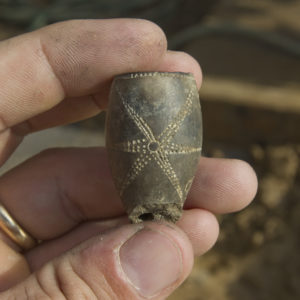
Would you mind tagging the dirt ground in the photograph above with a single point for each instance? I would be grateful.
(257, 254)
(251, 109)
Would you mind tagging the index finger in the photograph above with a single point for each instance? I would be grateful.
(39, 69)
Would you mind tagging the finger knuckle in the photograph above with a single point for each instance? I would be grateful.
(60, 281)
(47, 284)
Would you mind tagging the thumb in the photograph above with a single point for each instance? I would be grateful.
(132, 262)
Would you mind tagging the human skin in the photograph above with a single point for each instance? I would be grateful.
(65, 197)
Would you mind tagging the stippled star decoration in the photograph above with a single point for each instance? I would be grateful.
(156, 148)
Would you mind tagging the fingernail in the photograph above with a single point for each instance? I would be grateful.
(151, 262)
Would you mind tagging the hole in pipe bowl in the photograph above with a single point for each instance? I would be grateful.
(146, 217)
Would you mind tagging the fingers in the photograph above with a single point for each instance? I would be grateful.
(14, 267)
(131, 262)
(202, 228)
(47, 202)
(62, 73)
(177, 61)
(74, 58)
(69, 59)
(78, 59)
(199, 225)
(54, 191)
(78, 108)
(48, 250)
(222, 185)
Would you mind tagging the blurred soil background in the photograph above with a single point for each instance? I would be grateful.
(249, 51)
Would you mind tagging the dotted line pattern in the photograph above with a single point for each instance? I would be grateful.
(172, 148)
(173, 127)
(157, 74)
(135, 170)
(164, 147)
(165, 165)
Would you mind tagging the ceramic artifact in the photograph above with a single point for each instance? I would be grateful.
(154, 139)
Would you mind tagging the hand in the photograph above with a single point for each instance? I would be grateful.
(61, 74)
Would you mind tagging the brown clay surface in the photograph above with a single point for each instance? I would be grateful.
(154, 141)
